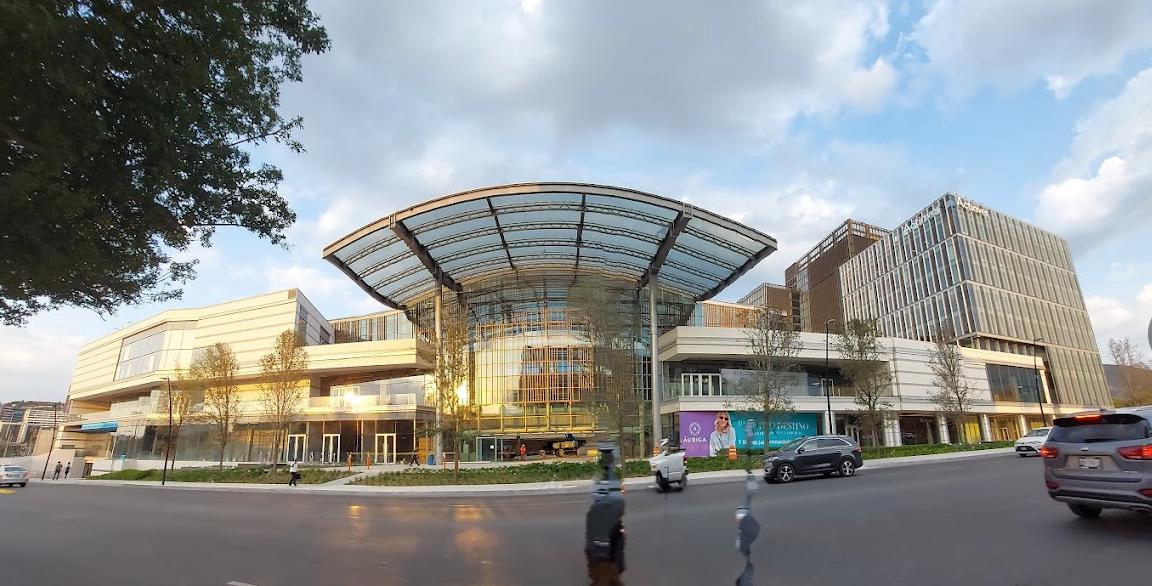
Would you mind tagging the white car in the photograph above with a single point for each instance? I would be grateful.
(1029, 445)
(13, 475)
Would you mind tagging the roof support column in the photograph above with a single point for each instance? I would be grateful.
(654, 331)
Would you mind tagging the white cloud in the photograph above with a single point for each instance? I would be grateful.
(973, 43)
(1101, 189)
(1119, 317)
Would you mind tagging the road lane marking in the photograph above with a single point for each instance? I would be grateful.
(6, 491)
(234, 583)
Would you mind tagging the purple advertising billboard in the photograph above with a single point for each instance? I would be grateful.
(711, 433)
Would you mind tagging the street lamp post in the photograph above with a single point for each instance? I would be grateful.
(1039, 383)
(52, 445)
(828, 373)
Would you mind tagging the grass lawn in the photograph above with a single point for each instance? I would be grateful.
(249, 475)
(544, 472)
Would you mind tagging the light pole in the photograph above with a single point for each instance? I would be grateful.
(52, 445)
(1039, 383)
(828, 373)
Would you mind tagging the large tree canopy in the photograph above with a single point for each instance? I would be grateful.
(123, 126)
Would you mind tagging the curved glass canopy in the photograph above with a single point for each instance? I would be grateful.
(556, 229)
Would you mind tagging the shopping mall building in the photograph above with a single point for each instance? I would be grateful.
(511, 255)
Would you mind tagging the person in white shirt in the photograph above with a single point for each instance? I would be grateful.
(294, 472)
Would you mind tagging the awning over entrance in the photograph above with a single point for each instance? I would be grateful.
(99, 427)
(558, 229)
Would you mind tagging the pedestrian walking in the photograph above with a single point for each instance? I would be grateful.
(67, 469)
(56, 473)
(523, 452)
(294, 474)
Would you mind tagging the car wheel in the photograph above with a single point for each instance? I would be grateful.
(661, 484)
(847, 468)
(684, 482)
(1084, 511)
(23, 484)
(785, 473)
(1022, 455)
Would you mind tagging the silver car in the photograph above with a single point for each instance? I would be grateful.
(13, 475)
(1101, 460)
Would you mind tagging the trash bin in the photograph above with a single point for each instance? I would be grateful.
(431, 459)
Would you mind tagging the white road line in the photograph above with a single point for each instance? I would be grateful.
(234, 583)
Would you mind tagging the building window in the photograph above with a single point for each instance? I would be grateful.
(140, 356)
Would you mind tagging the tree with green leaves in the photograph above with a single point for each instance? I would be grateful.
(865, 365)
(123, 135)
(603, 318)
(213, 371)
(772, 349)
(953, 396)
(283, 386)
(177, 403)
(451, 372)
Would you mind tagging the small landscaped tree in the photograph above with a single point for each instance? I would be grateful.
(451, 372)
(772, 349)
(283, 370)
(952, 396)
(865, 365)
(603, 317)
(214, 371)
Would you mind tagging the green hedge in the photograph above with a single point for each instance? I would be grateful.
(537, 472)
(247, 475)
(925, 449)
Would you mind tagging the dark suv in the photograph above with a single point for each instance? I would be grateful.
(1101, 460)
(822, 454)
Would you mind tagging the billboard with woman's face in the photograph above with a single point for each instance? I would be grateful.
(711, 433)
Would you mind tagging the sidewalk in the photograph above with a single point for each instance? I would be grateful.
(495, 490)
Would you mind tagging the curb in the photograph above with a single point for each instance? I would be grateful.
(499, 490)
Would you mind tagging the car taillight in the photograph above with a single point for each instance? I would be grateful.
(1049, 452)
(1051, 485)
(1136, 452)
(1147, 492)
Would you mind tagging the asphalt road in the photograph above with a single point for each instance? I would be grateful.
(981, 521)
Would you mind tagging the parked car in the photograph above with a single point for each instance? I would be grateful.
(670, 466)
(13, 475)
(1029, 444)
(822, 454)
(1101, 460)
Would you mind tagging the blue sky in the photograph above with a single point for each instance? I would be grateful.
(789, 116)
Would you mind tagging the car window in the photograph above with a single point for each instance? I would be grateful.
(1038, 432)
(832, 443)
(810, 445)
(1118, 427)
(792, 445)
(16, 469)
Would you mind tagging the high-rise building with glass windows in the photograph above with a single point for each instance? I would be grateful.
(1000, 283)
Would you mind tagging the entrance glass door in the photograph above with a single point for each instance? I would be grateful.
(385, 451)
(486, 449)
(331, 453)
(294, 449)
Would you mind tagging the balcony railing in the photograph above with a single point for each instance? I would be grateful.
(713, 385)
(376, 402)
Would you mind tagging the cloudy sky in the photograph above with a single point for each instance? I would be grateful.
(788, 116)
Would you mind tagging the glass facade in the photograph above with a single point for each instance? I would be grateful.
(1002, 284)
(392, 325)
(1012, 383)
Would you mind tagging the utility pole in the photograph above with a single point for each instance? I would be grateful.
(1039, 383)
(51, 446)
(828, 372)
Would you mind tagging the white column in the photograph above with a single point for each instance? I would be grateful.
(892, 432)
(1022, 421)
(985, 428)
(654, 331)
(942, 429)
